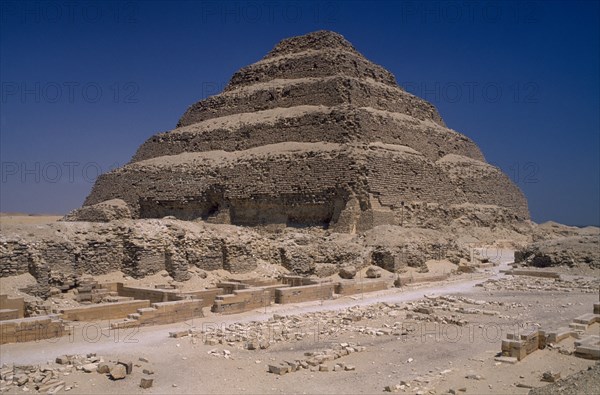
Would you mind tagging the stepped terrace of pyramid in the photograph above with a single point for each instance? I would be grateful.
(313, 134)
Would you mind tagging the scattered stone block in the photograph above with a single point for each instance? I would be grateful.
(473, 376)
(588, 352)
(51, 386)
(577, 326)
(63, 360)
(179, 334)
(146, 383)
(424, 310)
(118, 372)
(20, 379)
(103, 368)
(550, 377)
(128, 366)
(510, 360)
(348, 272)
(293, 365)
(373, 272)
(264, 344)
(252, 345)
(56, 389)
(279, 369)
(559, 335)
(89, 367)
(521, 385)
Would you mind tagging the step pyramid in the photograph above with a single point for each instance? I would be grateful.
(313, 134)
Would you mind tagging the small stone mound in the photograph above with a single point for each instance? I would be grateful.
(584, 382)
(373, 272)
(569, 251)
(347, 272)
(109, 210)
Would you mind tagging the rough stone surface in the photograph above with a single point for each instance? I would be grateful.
(373, 272)
(60, 253)
(128, 366)
(348, 272)
(146, 383)
(118, 372)
(339, 165)
(338, 146)
(106, 211)
(90, 367)
(584, 382)
(563, 251)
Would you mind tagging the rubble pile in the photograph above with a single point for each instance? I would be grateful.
(526, 283)
(259, 335)
(51, 378)
(317, 360)
(381, 319)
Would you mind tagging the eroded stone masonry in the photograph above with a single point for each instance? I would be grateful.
(312, 159)
(313, 134)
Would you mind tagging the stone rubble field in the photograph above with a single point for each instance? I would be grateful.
(440, 343)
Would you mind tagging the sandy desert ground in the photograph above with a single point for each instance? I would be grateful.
(25, 219)
(438, 351)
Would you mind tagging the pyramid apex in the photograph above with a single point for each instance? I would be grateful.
(321, 39)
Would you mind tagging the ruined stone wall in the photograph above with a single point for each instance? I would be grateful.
(100, 255)
(15, 258)
(303, 259)
(397, 176)
(394, 179)
(481, 183)
(405, 280)
(302, 65)
(207, 296)
(254, 190)
(151, 294)
(15, 305)
(304, 293)
(307, 186)
(328, 91)
(340, 124)
(66, 258)
(205, 253)
(31, 329)
(242, 300)
(135, 248)
(103, 311)
(163, 313)
(164, 295)
(356, 286)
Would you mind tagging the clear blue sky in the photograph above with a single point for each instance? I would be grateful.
(83, 85)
